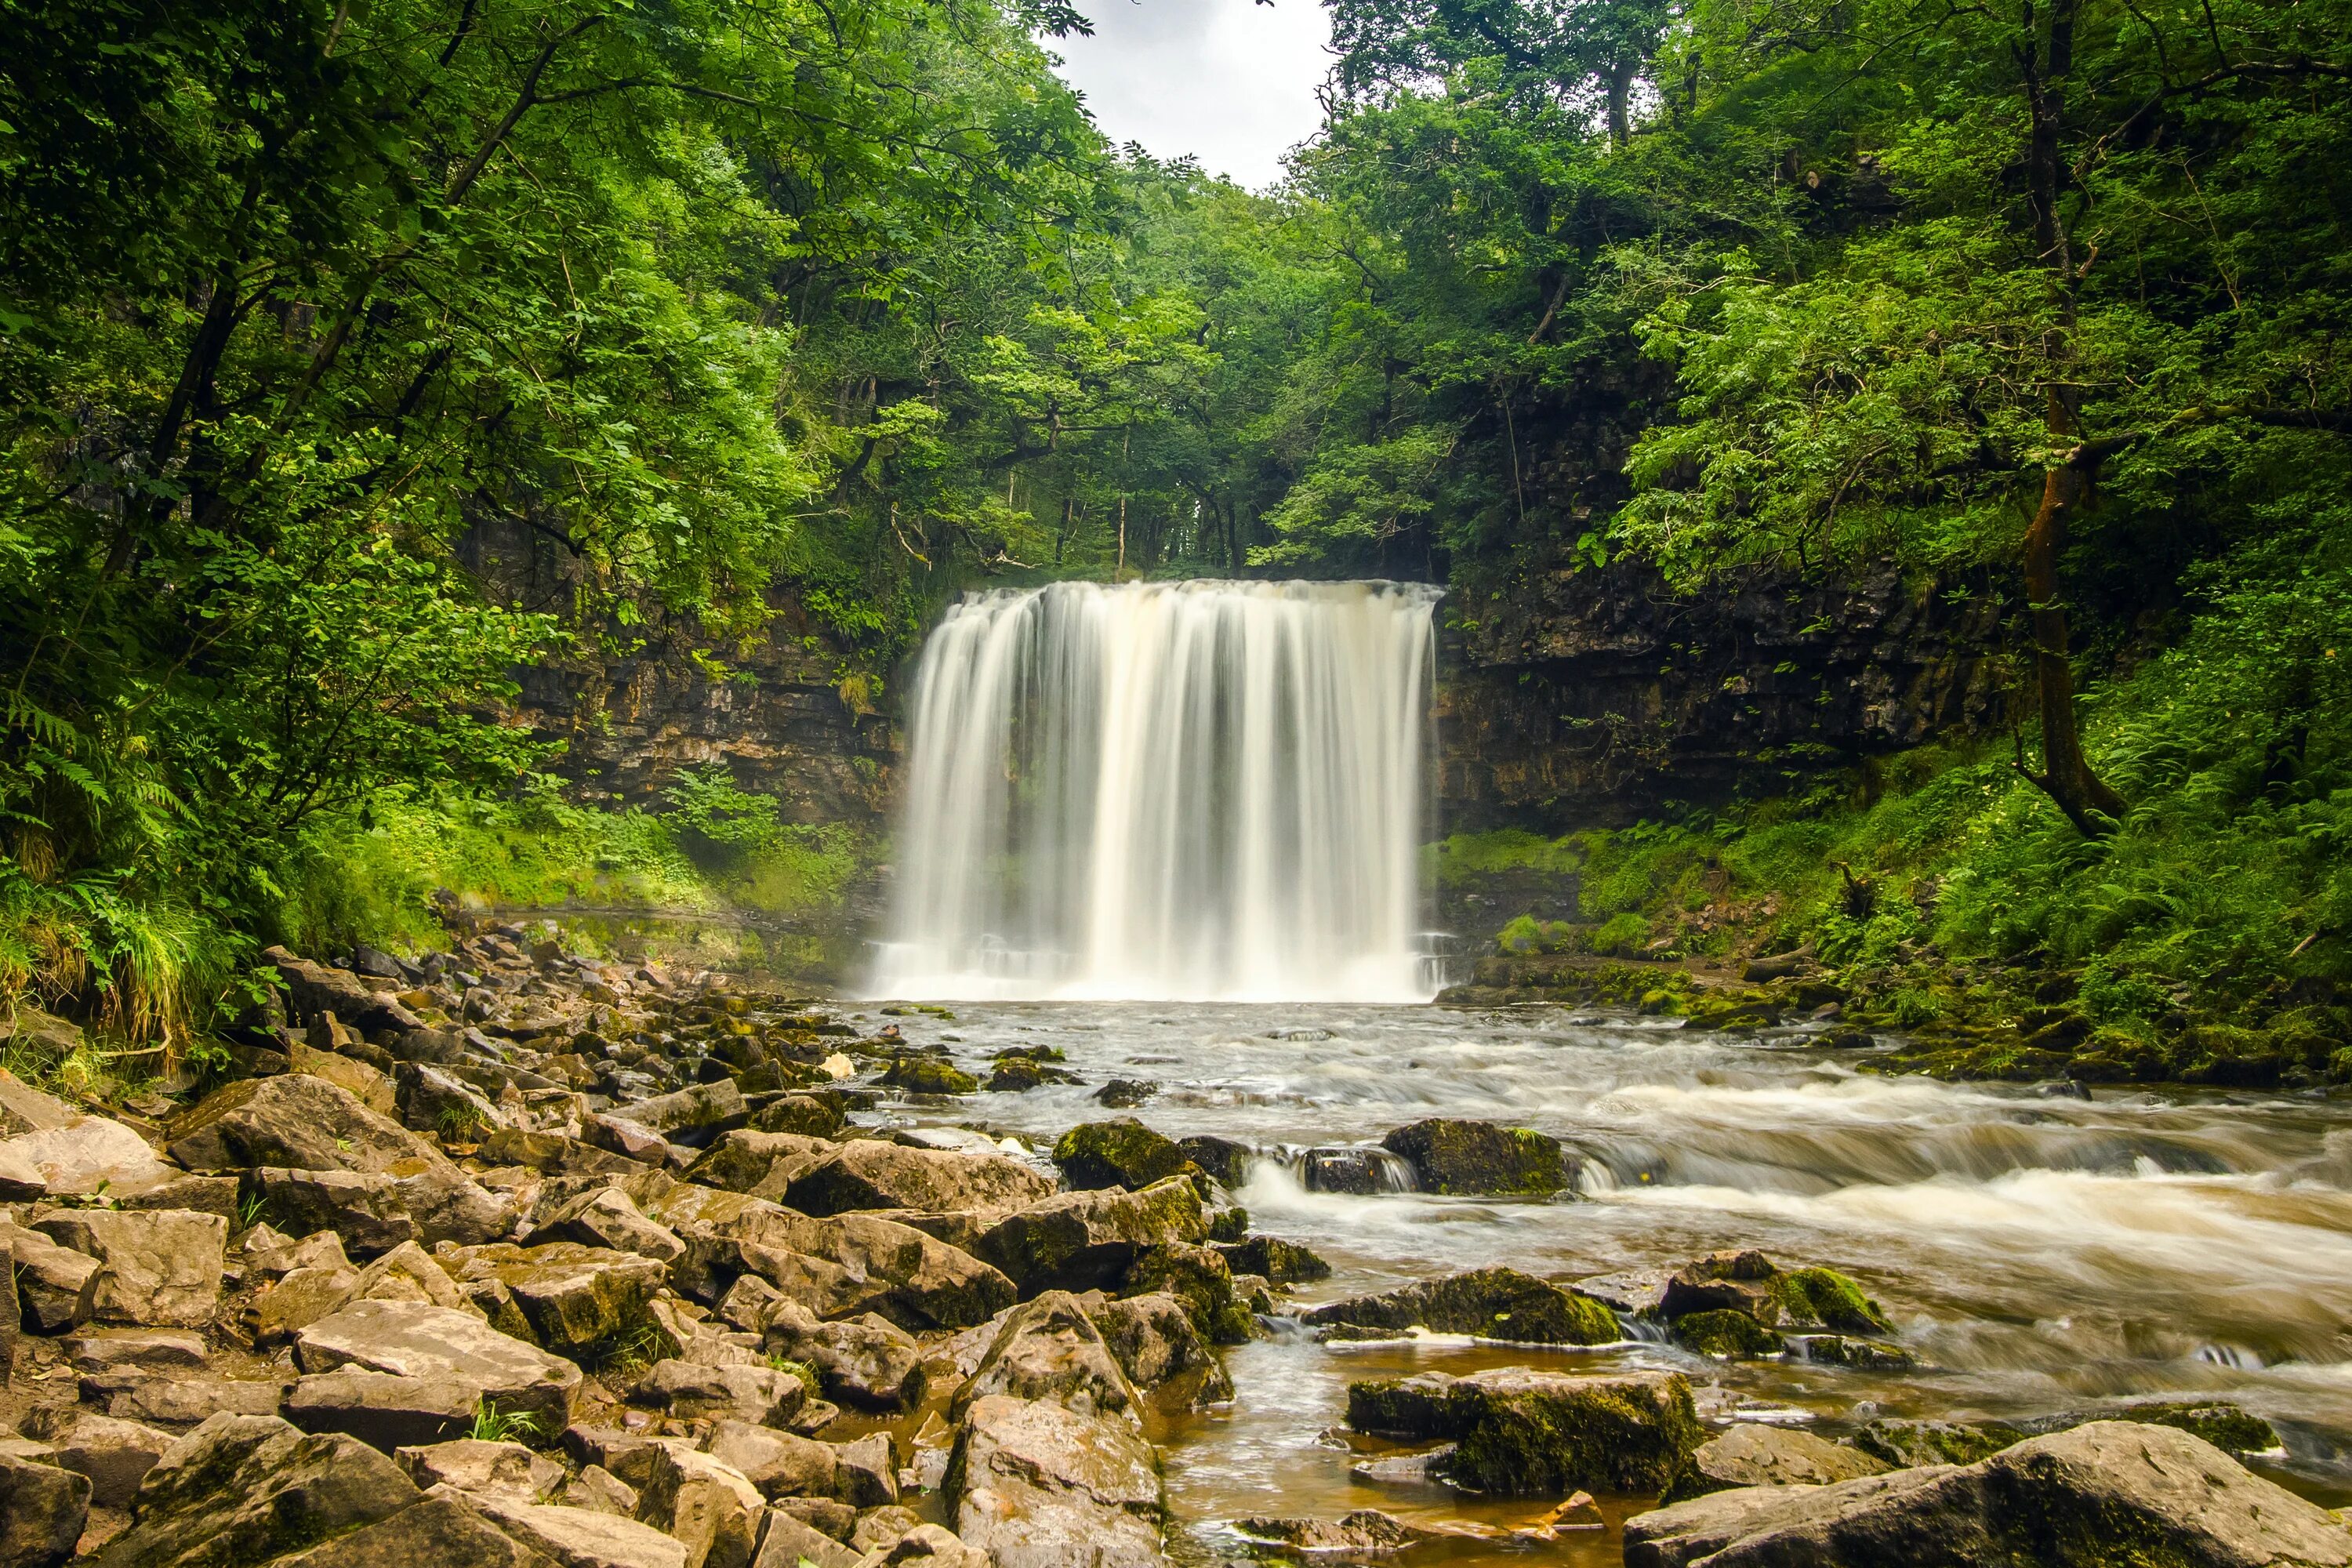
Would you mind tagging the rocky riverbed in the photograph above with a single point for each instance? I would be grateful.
(519, 1257)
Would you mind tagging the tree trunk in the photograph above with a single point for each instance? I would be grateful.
(2066, 776)
(1620, 89)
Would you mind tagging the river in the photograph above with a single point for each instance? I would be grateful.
(2038, 1255)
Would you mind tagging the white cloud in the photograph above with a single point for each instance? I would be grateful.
(1230, 81)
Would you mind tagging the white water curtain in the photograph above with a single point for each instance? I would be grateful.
(1206, 791)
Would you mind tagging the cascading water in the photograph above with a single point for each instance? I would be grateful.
(1195, 791)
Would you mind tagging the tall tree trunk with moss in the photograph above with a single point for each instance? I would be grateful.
(2089, 803)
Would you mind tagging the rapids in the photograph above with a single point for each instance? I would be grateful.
(2042, 1255)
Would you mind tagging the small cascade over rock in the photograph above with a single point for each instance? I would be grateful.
(1187, 791)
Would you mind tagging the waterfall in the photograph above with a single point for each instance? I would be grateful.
(1194, 791)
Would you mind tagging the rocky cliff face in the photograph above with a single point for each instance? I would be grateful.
(1584, 698)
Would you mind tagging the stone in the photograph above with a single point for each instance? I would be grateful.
(175, 1399)
(1357, 1173)
(1161, 1352)
(1050, 1348)
(86, 1155)
(42, 1511)
(568, 1298)
(1521, 1433)
(114, 1454)
(384, 1411)
(929, 1075)
(787, 1543)
(161, 1267)
(748, 1158)
(581, 1537)
(371, 1089)
(1222, 1159)
(606, 1218)
(21, 1180)
(1366, 1531)
(707, 1505)
(760, 1394)
(599, 1490)
(205, 1194)
(868, 1361)
(1118, 1153)
(1125, 1093)
(1277, 1261)
(1724, 1282)
(879, 1530)
(827, 1516)
(23, 1107)
(2223, 1425)
(443, 1531)
(449, 1205)
(409, 1273)
(51, 1282)
(283, 1308)
(619, 1135)
(1490, 1304)
(367, 1210)
(1908, 1444)
(780, 1463)
(934, 1546)
(411, 1339)
(471, 1465)
(1480, 1158)
(249, 1489)
(312, 989)
(296, 1122)
(867, 1470)
(2106, 1493)
(1751, 1455)
(705, 1108)
(1726, 1335)
(871, 1174)
(1199, 1278)
(429, 1099)
(1087, 1240)
(1039, 1486)
(810, 1115)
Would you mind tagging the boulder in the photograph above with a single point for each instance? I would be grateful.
(868, 1361)
(409, 1339)
(1521, 1433)
(929, 1075)
(606, 1218)
(205, 1194)
(366, 1209)
(42, 1511)
(1277, 1261)
(1905, 1444)
(312, 989)
(297, 1122)
(1125, 1093)
(1084, 1241)
(159, 1268)
(1750, 1455)
(283, 1308)
(21, 1180)
(780, 1463)
(409, 1273)
(704, 1110)
(868, 1471)
(2110, 1492)
(762, 1396)
(810, 1115)
(114, 1454)
(747, 1158)
(1481, 1159)
(709, 1507)
(1367, 1532)
(568, 1298)
(249, 1489)
(432, 1099)
(934, 1546)
(1050, 1348)
(1726, 1335)
(1491, 1303)
(87, 1154)
(1036, 1485)
(446, 1531)
(1161, 1352)
(870, 1174)
(471, 1465)
(371, 1089)
(1357, 1173)
(1202, 1280)
(1221, 1158)
(23, 1107)
(383, 1410)
(1119, 1153)
(582, 1538)
(51, 1282)
(177, 1399)
(449, 1205)
(847, 1263)
(787, 1542)
(1751, 1283)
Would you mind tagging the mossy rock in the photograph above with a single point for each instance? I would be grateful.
(1490, 1304)
(1520, 1432)
(1200, 1279)
(1125, 1093)
(1726, 1334)
(1029, 1054)
(1826, 1296)
(1909, 1443)
(1862, 1355)
(1018, 1075)
(2227, 1427)
(810, 1115)
(929, 1075)
(1480, 1158)
(1119, 1153)
(1278, 1261)
(1221, 1157)
(1229, 1224)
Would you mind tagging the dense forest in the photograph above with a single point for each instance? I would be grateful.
(827, 308)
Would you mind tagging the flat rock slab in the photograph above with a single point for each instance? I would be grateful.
(87, 1155)
(2110, 1492)
(412, 1340)
(871, 1174)
(161, 1267)
(441, 1531)
(1754, 1455)
(298, 1123)
(1043, 1487)
(583, 1538)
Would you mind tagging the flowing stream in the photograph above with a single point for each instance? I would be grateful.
(2040, 1256)
(1199, 790)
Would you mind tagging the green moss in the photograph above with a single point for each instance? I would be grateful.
(1118, 1153)
(1520, 1437)
(1826, 1296)
(1621, 935)
(1491, 1303)
(1480, 1158)
(2225, 1426)
(1726, 1334)
(929, 1075)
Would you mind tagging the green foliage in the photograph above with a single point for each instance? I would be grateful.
(492, 1425)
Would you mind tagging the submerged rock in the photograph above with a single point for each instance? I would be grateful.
(1491, 1303)
(2113, 1492)
(1479, 1159)
(1522, 1432)
(1728, 1336)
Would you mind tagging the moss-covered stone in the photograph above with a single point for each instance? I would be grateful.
(1086, 1240)
(1229, 1224)
(1862, 1355)
(929, 1075)
(1726, 1334)
(1909, 1443)
(1199, 1278)
(809, 1115)
(1279, 1262)
(1491, 1303)
(2226, 1427)
(1481, 1159)
(1826, 1296)
(1221, 1157)
(1120, 1153)
(1520, 1432)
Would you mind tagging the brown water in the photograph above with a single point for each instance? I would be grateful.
(2040, 1256)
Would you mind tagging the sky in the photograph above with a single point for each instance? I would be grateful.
(1231, 81)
